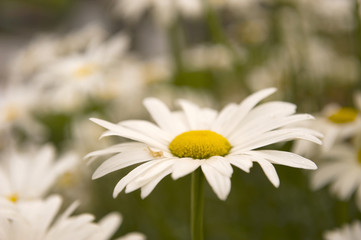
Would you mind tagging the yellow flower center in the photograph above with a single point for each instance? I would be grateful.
(200, 144)
(359, 156)
(11, 113)
(13, 197)
(67, 179)
(344, 115)
(84, 71)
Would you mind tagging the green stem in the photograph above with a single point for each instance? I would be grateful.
(175, 37)
(358, 35)
(197, 204)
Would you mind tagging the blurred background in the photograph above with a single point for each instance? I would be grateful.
(63, 61)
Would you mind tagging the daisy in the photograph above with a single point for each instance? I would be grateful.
(347, 232)
(201, 138)
(342, 172)
(69, 82)
(40, 220)
(165, 11)
(17, 104)
(336, 123)
(30, 174)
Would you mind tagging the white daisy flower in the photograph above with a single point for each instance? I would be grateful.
(336, 123)
(195, 137)
(30, 174)
(342, 172)
(17, 104)
(69, 82)
(165, 11)
(347, 232)
(39, 220)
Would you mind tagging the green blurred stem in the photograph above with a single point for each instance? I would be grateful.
(219, 36)
(214, 24)
(175, 37)
(197, 204)
(358, 34)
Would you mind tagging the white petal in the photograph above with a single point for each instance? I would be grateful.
(285, 158)
(345, 184)
(258, 126)
(133, 236)
(221, 164)
(191, 112)
(148, 188)
(223, 117)
(162, 116)
(138, 171)
(149, 128)
(122, 160)
(150, 174)
(131, 134)
(268, 169)
(108, 226)
(241, 161)
(114, 149)
(184, 166)
(245, 106)
(274, 137)
(327, 173)
(220, 184)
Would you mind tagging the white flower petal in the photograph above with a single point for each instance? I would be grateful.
(327, 173)
(152, 173)
(245, 106)
(221, 164)
(131, 134)
(133, 236)
(138, 171)
(285, 158)
(223, 117)
(256, 128)
(148, 188)
(241, 161)
(191, 112)
(113, 149)
(220, 184)
(184, 166)
(122, 160)
(108, 226)
(148, 128)
(162, 116)
(268, 169)
(346, 183)
(275, 136)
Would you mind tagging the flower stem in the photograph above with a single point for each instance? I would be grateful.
(197, 204)
(357, 34)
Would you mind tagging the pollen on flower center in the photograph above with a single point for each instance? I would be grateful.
(84, 71)
(199, 144)
(343, 115)
(13, 197)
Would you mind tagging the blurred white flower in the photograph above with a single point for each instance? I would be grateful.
(39, 220)
(183, 141)
(341, 169)
(164, 11)
(47, 48)
(336, 123)
(17, 104)
(208, 57)
(31, 174)
(70, 81)
(347, 232)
